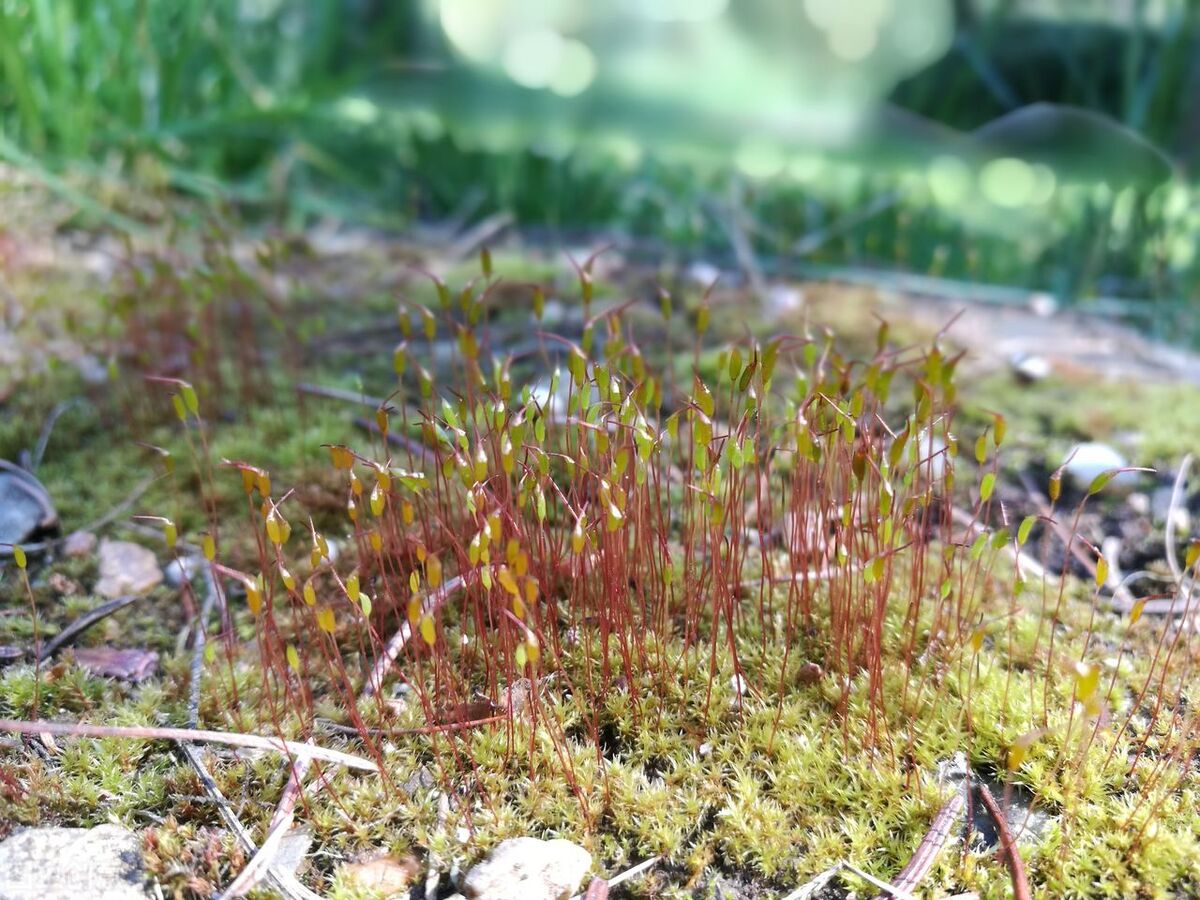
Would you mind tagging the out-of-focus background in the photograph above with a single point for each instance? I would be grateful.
(1045, 146)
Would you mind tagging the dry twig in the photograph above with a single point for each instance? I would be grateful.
(229, 738)
(288, 886)
(398, 640)
(82, 624)
(1008, 844)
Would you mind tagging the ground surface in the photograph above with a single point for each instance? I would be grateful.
(740, 795)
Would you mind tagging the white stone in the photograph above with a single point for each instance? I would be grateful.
(1043, 305)
(183, 569)
(1030, 368)
(527, 868)
(1092, 459)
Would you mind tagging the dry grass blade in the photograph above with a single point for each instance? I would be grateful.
(260, 863)
(1177, 492)
(931, 845)
(809, 888)
(288, 886)
(627, 875)
(229, 738)
(888, 889)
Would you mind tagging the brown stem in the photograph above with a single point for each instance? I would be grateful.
(1007, 843)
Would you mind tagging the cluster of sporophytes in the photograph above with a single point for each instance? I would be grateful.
(637, 609)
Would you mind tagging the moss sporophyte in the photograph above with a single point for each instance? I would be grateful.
(736, 619)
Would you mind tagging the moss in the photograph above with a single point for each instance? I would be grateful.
(1047, 418)
(767, 790)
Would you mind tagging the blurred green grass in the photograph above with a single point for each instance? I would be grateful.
(297, 111)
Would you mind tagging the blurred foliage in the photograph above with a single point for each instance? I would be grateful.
(1042, 145)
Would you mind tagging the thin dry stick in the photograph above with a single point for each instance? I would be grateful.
(1172, 509)
(931, 845)
(332, 393)
(633, 872)
(288, 886)
(882, 885)
(47, 429)
(229, 738)
(1008, 844)
(415, 447)
(823, 574)
(398, 640)
(210, 599)
(260, 863)
(82, 624)
(478, 234)
(809, 888)
(425, 729)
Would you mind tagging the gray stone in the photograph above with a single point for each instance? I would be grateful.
(527, 868)
(25, 507)
(127, 568)
(1160, 506)
(72, 863)
(181, 570)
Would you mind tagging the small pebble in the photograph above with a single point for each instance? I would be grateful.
(79, 543)
(810, 673)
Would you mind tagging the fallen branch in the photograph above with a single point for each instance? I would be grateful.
(200, 735)
(82, 624)
(1008, 844)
